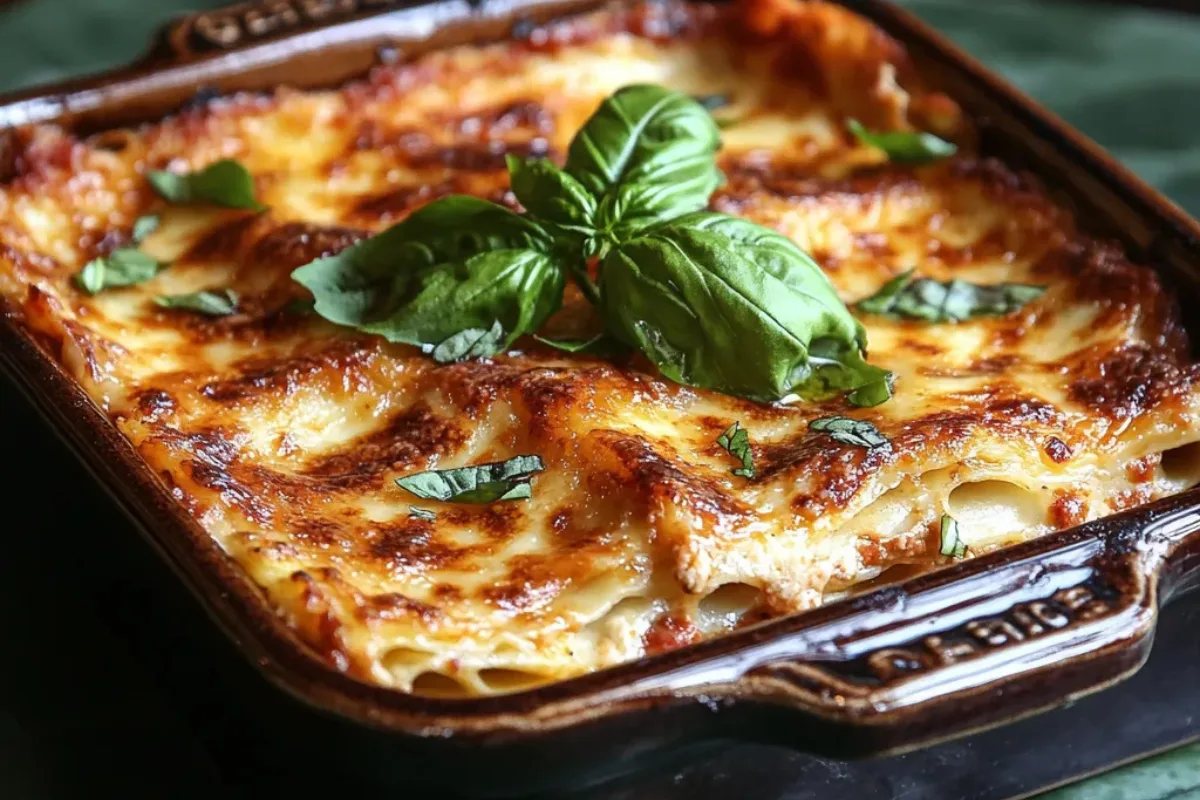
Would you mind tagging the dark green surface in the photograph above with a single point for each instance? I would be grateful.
(1128, 78)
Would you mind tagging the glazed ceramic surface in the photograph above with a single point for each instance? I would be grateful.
(968, 647)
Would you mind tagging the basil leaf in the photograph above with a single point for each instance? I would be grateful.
(856, 432)
(470, 343)
(218, 303)
(223, 183)
(552, 195)
(124, 267)
(647, 154)
(368, 282)
(144, 226)
(736, 441)
(484, 483)
(952, 544)
(904, 147)
(416, 512)
(724, 304)
(491, 298)
(907, 297)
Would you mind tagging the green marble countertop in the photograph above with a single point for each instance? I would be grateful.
(1129, 78)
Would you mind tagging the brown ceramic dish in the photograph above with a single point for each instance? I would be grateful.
(987, 641)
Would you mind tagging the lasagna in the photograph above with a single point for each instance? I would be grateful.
(284, 435)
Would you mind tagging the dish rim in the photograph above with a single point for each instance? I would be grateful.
(237, 606)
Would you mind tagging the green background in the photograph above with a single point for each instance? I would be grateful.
(1129, 78)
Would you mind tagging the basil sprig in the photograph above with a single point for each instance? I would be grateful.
(909, 297)
(483, 483)
(904, 147)
(222, 183)
(714, 301)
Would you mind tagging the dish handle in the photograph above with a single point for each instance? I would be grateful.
(249, 45)
(983, 642)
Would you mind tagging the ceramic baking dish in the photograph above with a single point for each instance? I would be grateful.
(984, 642)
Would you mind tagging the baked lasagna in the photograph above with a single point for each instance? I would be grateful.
(284, 434)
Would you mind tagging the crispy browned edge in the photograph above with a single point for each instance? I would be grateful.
(1117, 203)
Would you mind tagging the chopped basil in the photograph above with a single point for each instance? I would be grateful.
(909, 297)
(904, 147)
(470, 343)
(223, 183)
(855, 432)
(144, 226)
(952, 544)
(736, 441)
(219, 303)
(126, 266)
(416, 512)
(483, 483)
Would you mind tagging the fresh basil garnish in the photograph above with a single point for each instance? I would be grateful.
(552, 195)
(484, 483)
(714, 301)
(904, 147)
(724, 304)
(856, 432)
(736, 442)
(909, 297)
(126, 266)
(952, 544)
(416, 512)
(143, 226)
(647, 155)
(459, 265)
(222, 183)
(219, 303)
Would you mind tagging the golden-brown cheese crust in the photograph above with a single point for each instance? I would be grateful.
(284, 435)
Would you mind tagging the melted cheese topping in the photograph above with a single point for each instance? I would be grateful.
(283, 435)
